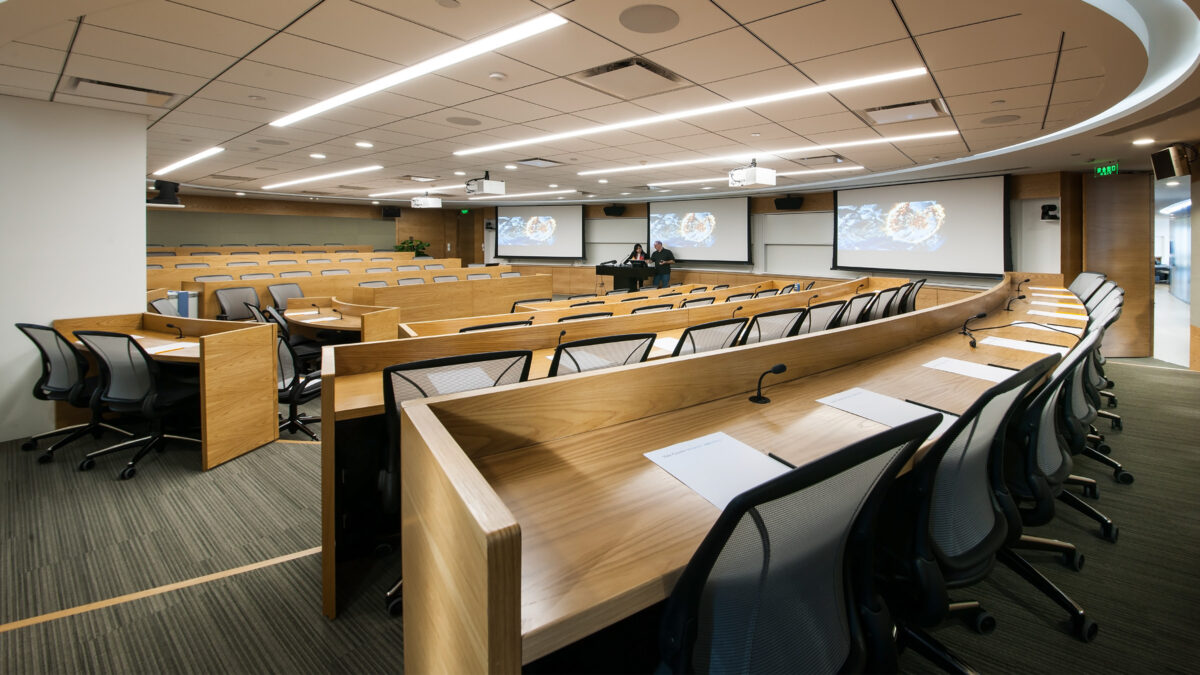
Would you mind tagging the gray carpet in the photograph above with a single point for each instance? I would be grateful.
(70, 538)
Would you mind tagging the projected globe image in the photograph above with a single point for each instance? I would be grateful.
(905, 226)
(693, 229)
(532, 231)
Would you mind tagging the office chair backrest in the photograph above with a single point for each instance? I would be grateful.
(878, 307)
(188, 266)
(618, 291)
(295, 273)
(766, 293)
(407, 268)
(165, 307)
(1085, 284)
(720, 287)
(243, 252)
(1100, 294)
(381, 259)
(410, 281)
(281, 293)
(160, 254)
(282, 262)
(256, 313)
(589, 315)
(205, 253)
(151, 266)
(233, 301)
(739, 296)
(498, 324)
(528, 301)
(664, 295)
(64, 369)
(783, 580)
(506, 275)
(787, 289)
(821, 317)
(276, 317)
(894, 307)
(257, 275)
(1046, 418)
(476, 265)
(435, 266)
(378, 270)
(631, 298)
(334, 272)
(652, 308)
(213, 277)
(314, 250)
(288, 378)
(696, 302)
(854, 309)
(910, 299)
(585, 303)
(581, 295)
(706, 337)
(127, 371)
(348, 259)
(373, 284)
(282, 253)
(478, 275)
(318, 260)
(242, 263)
(442, 278)
(600, 352)
(773, 325)
(699, 289)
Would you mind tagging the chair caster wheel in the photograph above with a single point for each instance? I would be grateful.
(1118, 425)
(1112, 401)
(87, 464)
(1091, 491)
(1123, 477)
(29, 445)
(45, 458)
(982, 622)
(1084, 628)
(97, 433)
(395, 607)
(1110, 532)
(127, 473)
(1073, 560)
(1103, 449)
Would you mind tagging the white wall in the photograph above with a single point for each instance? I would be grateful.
(172, 227)
(1036, 243)
(72, 214)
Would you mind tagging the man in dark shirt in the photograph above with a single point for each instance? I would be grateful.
(662, 258)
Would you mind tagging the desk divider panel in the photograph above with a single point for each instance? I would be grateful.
(479, 297)
(186, 251)
(329, 553)
(238, 388)
(172, 277)
(380, 324)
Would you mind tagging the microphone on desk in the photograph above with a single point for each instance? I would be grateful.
(1008, 307)
(1023, 281)
(758, 397)
(560, 336)
(735, 311)
(339, 312)
(858, 288)
(965, 331)
(814, 297)
(171, 325)
(609, 262)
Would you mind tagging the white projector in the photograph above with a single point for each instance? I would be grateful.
(427, 202)
(483, 186)
(751, 175)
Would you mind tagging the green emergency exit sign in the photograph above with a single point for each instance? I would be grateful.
(1107, 170)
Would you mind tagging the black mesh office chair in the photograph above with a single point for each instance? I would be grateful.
(736, 297)
(587, 315)
(706, 337)
(334, 272)
(783, 582)
(618, 291)
(633, 298)
(896, 305)
(877, 308)
(410, 281)
(652, 308)
(233, 302)
(581, 295)
(696, 302)
(587, 303)
(1085, 284)
(773, 325)
(854, 309)
(434, 377)
(165, 307)
(307, 351)
(600, 352)
(373, 284)
(281, 293)
(699, 289)
(767, 292)
(498, 324)
(64, 378)
(131, 383)
(821, 317)
(257, 275)
(909, 303)
(528, 301)
(296, 387)
(720, 287)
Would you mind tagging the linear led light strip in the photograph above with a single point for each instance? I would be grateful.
(472, 49)
(184, 162)
(430, 188)
(717, 179)
(751, 154)
(706, 110)
(323, 176)
(523, 194)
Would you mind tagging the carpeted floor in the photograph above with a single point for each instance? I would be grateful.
(71, 538)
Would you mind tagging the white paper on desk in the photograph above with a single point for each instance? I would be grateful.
(1047, 288)
(1060, 315)
(666, 344)
(321, 319)
(1023, 345)
(1073, 330)
(1055, 295)
(884, 409)
(717, 467)
(1073, 305)
(166, 347)
(977, 370)
(304, 313)
(453, 381)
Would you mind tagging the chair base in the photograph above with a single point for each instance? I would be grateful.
(1108, 530)
(73, 433)
(297, 422)
(153, 441)
(394, 598)
(935, 652)
(1119, 473)
(1081, 626)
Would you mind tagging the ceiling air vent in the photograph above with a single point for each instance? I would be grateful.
(225, 176)
(906, 112)
(112, 91)
(630, 78)
(353, 187)
(539, 162)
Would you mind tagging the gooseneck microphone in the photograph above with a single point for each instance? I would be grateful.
(758, 397)
(171, 325)
(814, 297)
(858, 288)
(966, 331)
(339, 312)
(1008, 307)
(735, 311)
(560, 336)
(612, 262)
(1023, 281)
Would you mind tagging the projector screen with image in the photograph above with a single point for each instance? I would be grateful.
(708, 230)
(539, 232)
(951, 227)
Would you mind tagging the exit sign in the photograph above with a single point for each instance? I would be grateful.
(1107, 170)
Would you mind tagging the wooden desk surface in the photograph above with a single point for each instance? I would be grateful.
(323, 318)
(149, 340)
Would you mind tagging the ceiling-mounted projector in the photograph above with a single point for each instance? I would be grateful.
(751, 175)
(427, 202)
(485, 186)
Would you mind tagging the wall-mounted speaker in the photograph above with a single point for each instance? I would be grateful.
(167, 193)
(390, 212)
(1171, 162)
(615, 210)
(1048, 212)
(788, 203)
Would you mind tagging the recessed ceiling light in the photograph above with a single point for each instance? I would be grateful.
(317, 155)
(323, 176)
(364, 144)
(240, 194)
(498, 76)
(481, 46)
(1143, 141)
(624, 193)
(523, 194)
(410, 191)
(552, 185)
(602, 180)
(755, 135)
(510, 167)
(705, 110)
(748, 155)
(423, 179)
(1172, 183)
(188, 160)
(460, 173)
(707, 187)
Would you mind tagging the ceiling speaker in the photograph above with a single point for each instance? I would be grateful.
(788, 203)
(1171, 162)
(167, 193)
(614, 210)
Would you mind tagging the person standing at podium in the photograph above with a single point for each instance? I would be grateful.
(662, 258)
(637, 254)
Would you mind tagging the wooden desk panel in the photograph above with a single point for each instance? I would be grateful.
(453, 299)
(173, 277)
(187, 251)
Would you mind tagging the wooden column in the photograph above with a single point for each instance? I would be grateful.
(1118, 230)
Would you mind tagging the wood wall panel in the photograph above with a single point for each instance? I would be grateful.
(814, 201)
(1118, 241)
(596, 211)
(276, 207)
(1071, 225)
(1034, 186)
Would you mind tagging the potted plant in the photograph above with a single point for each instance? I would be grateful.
(415, 245)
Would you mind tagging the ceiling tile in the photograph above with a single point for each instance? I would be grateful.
(772, 81)
(507, 108)
(565, 50)
(227, 124)
(824, 123)
(730, 119)
(563, 95)
(470, 20)
(422, 128)
(1023, 72)
(182, 25)
(1008, 38)
(57, 36)
(926, 16)
(42, 94)
(240, 94)
(618, 112)
(603, 17)
(441, 118)
(149, 111)
(1077, 90)
(203, 106)
(117, 46)
(275, 79)
(271, 13)
(308, 56)
(478, 71)
(1024, 116)
(830, 27)
(1079, 63)
(999, 101)
(746, 11)
(32, 57)
(718, 56)
(889, 57)
(394, 104)
(132, 75)
(438, 89)
(200, 137)
(322, 124)
(353, 26)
